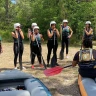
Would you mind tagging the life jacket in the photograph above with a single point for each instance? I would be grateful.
(52, 38)
(86, 60)
(38, 38)
(19, 39)
(65, 31)
(88, 36)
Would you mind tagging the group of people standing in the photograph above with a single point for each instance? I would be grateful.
(35, 38)
(53, 34)
(85, 57)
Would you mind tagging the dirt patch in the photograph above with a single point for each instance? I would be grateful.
(63, 84)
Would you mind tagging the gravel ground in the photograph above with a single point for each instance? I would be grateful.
(63, 84)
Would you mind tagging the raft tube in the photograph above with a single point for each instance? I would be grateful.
(18, 83)
(87, 86)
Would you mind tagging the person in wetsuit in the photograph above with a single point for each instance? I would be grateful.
(88, 31)
(66, 33)
(30, 31)
(52, 32)
(18, 37)
(36, 38)
(86, 60)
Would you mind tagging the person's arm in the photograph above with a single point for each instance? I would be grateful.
(49, 34)
(1, 49)
(1, 46)
(74, 63)
(61, 29)
(75, 59)
(29, 33)
(71, 32)
(32, 37)
(14, 34)
(89, 33)
(21, 33)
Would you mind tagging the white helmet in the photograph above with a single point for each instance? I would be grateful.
(34, 24)
(88, 22)
(36, 27)
(65, 21)
(52, 22)
(16, 25)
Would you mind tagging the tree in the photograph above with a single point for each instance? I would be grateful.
(44, 11)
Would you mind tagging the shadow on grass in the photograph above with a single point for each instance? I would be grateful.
(26, 62)
(3, 69)
(61, 89)
(64, 63)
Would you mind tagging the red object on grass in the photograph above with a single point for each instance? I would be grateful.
(55, 70)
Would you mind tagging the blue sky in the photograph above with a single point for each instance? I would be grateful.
(13, 1)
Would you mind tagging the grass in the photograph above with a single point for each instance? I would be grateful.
(63, 84)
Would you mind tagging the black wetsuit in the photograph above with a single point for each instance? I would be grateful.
(36, 50)
(65, 39)
(88, 36)
(50, 46)
(18, 50)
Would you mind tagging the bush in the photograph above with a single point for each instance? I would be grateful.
(6, 35)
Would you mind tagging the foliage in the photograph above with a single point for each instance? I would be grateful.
(43, 11)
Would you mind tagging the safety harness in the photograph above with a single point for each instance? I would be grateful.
(86, 59)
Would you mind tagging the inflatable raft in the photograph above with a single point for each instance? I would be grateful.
(87, 86)
(17, 83)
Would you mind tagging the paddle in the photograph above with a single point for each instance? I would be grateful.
(41, 56)
(20, 62)
(29, 36)
(55, 70)
(61, 54)
(53, 60)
